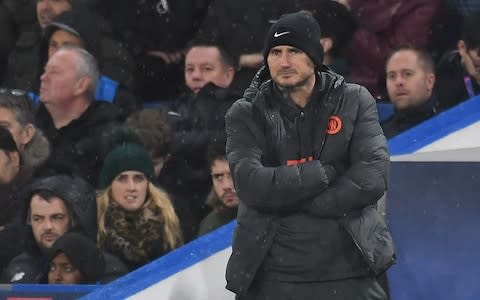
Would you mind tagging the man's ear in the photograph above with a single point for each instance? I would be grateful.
(28, 131)
(229, 74)
(327, 44)
(430, 81)
(15, 156)
(82, 85)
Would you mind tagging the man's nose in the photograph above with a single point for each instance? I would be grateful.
(47, 224)
(227, 183)
(284, 60)
(196, 74)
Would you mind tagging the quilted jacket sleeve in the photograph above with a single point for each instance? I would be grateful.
(366, 178)
(267, 188)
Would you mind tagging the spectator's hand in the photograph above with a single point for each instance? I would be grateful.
(470, 67)
(253, 61)
(167, 57)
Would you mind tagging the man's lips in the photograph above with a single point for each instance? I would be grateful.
(229, 197)
(49, 236)
(286, 73)
(401, 93)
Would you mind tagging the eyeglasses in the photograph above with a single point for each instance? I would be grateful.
(14, 92)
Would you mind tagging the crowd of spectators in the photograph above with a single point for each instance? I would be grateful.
(85, 167)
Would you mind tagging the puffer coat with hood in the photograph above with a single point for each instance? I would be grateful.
(337, 188)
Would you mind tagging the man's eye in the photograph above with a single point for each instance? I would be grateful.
(217, 176)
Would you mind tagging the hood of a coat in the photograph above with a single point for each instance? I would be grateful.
(79, 197)
(37, 151)
(80, 22)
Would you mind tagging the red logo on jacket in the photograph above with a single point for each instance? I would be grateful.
(334, 125)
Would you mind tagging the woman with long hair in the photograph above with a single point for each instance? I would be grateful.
(136, 219)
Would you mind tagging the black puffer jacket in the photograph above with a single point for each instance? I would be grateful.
(77, 147)
(196, 120)
(268, 188)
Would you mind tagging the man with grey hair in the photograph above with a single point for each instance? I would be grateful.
(70, 118)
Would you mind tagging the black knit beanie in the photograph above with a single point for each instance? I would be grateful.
(299, 30)
(83, 255)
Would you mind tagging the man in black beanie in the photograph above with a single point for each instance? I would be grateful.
(309, 162)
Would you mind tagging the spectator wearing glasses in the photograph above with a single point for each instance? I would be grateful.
(17, 114)
(458, 72)
(24, 150)
(11, 183)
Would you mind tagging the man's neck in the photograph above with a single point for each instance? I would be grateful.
(62, 115)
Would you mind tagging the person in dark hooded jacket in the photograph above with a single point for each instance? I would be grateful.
(72, 28)
(24, 63)
(15, 16)
(309, 162)
(57, 204)
(74, 259)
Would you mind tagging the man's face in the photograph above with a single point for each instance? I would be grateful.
(63, 38)
(10, 166)
(223, 184)
(20, 133)
(48, 9)
(204, 65)
(49, 219)
(62, 271)
(290, 67)
(408, 85)
(59, 82)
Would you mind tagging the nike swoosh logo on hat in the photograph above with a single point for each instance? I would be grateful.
(276, 34)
